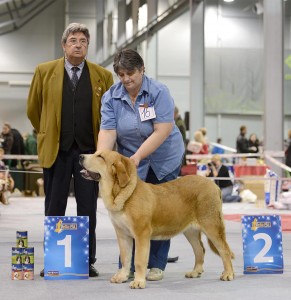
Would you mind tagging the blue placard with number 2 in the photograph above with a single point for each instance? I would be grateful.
(262, 244)
(66, 248)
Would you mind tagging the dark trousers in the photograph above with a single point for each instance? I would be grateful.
(56, 187)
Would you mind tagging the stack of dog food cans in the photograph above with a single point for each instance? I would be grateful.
(22, 258)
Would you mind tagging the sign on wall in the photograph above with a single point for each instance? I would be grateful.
(262, 244)
(66, 248)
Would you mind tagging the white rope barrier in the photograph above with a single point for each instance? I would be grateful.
(237, 155)
(32, 169)
(20, 157)
(269, 157)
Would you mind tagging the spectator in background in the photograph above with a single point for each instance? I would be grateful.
(253, 143)
(17, 147)
(13, 143)
(242, 143)
(217, 169)
(216, 149)
(288, 141)
(204, 133)
(6, 181)
(199, 145)
(30, 144)
(6, 138)
(180, 123)
(182, 127)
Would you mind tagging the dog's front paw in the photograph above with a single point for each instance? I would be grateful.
(137, 284)
(227, 276)
(196, 273)
(193, 274)
(119, 277)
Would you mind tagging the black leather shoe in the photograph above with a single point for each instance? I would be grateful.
(41, 273)
(93, 272)
(173, 259)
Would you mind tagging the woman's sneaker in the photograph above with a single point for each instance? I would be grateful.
(155, 274)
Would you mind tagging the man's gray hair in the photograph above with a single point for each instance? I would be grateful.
(73, 28)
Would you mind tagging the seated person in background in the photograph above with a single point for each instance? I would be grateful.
(253, 143)
(217, 169)
(6, 181)
(217, 149)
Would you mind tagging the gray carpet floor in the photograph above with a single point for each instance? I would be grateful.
(27, 214)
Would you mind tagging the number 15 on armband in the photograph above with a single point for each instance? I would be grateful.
(262, 244)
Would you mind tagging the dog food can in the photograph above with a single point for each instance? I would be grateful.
(17, 255)
(17, 273)
(21, 239)
(28, 271)
(28, 256)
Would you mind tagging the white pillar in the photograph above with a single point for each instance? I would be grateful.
(273, 72)
(196, 66)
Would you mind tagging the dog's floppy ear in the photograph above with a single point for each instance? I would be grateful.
(121, 173)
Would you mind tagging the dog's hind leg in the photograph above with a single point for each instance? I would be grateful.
(125, 246)
(216, 235)
(193, 235)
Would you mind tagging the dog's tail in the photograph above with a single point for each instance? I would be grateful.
(214, 249)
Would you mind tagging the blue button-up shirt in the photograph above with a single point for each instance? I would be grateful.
(118, 113)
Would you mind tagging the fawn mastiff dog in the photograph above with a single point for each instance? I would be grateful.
(143, 212)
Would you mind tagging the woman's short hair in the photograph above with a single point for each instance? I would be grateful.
(127, 59)
(73, 28)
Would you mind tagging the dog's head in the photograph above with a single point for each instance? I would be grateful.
(106, 164)
(116, 173)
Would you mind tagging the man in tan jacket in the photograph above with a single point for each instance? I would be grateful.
(64, 107)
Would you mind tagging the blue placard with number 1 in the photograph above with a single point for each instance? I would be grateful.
(66, 248)
(262, 244)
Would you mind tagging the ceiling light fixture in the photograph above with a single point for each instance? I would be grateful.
(258, 8)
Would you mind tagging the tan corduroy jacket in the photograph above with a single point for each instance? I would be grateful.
(44, 105)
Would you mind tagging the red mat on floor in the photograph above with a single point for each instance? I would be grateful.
(285, 220)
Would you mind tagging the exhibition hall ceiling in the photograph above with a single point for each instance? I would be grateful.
(243, 8)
